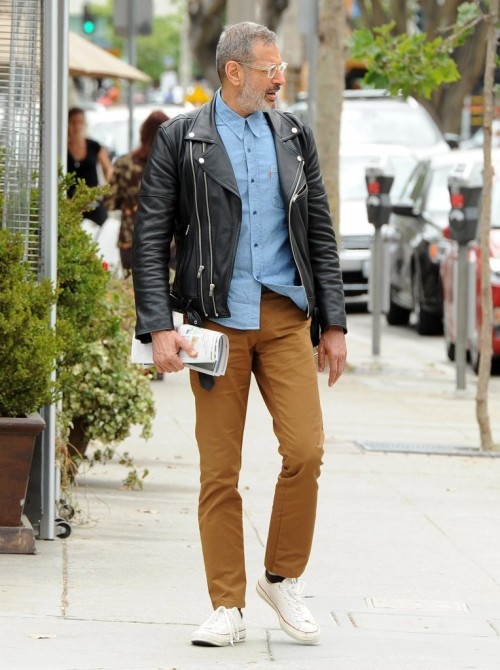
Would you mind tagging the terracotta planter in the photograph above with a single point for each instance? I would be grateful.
(17, 442)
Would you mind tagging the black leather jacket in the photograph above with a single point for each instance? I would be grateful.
(189, 191)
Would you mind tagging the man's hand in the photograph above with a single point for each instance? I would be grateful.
(166, 347)
(332, 345)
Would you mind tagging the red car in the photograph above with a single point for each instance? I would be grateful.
(448, 263)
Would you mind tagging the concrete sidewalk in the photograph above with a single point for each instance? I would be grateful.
(405, 572)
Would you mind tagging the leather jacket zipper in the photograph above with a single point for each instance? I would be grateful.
(211, 291)
(292, 200)
(201, 267)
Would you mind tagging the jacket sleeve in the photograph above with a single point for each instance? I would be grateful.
(153, 232)
(323, 252)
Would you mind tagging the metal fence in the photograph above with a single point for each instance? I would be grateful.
(20, 123)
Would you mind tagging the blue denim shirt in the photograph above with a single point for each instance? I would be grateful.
(263, 255)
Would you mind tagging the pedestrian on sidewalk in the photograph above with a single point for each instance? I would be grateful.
(238, 184)
(125, 184)
(84, 157)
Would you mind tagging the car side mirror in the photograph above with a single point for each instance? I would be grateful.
(404, 209)
(452, 140)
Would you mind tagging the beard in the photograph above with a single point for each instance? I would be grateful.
(252, 99)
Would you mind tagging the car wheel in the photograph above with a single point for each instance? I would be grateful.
(397, 316)
(427, 322)
(450, 346)
(475, 356)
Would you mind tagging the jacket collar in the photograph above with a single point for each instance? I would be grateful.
(215, 159)
(203, 128)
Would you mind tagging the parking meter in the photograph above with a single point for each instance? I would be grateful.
(378, 202)
(465, 187)
(378, 207)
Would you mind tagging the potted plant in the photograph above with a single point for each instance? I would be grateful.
(28, 350)
(103, 394)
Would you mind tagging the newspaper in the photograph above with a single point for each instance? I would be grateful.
(212, 348)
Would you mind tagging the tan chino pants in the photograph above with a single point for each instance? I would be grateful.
(281, 357)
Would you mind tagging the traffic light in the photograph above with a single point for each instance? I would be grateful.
(88, 20)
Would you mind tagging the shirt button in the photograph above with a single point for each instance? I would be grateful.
(255, 245)
(201, 160)
(252, 180)
(254, 212)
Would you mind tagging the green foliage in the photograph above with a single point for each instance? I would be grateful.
(103, 394)
(412, 64)
(164, 41)
(28, 345)
(82, 280)
(151, 49)
(108, 395)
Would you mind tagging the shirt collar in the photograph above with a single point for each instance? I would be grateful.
(236, 122)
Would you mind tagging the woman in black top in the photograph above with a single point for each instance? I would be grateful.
(83, 157)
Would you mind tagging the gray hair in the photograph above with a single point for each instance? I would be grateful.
(237, 43)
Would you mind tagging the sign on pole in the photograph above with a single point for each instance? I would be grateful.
(143, 17)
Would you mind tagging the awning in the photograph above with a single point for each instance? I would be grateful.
(89, 60)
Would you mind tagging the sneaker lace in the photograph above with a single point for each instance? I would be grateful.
(232, 626)
(291, 589)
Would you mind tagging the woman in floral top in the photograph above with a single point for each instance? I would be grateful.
(126, 183)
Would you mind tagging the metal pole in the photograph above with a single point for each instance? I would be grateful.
(48, 214)
(461, 316)
(131, 25)
(62, 80)
(377, 286)
(312, 58)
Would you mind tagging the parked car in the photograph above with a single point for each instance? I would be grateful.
(374, 126)
(448, 270)
(371, 116)
(416, 244)
(110, 126)
(356, 233)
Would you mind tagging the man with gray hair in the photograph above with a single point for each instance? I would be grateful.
(238, 184)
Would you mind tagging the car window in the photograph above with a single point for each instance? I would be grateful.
(352, 175)
(114, 135)
(437, 201)
(412, 191)
(387, 123)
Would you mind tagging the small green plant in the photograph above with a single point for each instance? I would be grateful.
(103, 394)
(412, 64)
(28, 345)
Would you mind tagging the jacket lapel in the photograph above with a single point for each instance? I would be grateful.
(208, 149)
(288, 153)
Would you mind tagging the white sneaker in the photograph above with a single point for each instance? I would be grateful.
(224, 627)
(294, 617)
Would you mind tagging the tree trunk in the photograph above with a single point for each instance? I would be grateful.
(485, 343)
(271, 11)
(331, 29)
(206, 21)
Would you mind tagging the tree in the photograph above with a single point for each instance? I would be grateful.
(206, 22)
(406, 62)
(433, 19)
(331, 33)
(491, 22)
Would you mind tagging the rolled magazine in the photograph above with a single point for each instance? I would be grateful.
(212, 348)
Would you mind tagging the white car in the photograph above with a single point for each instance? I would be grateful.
(110, 126)
(375, 125)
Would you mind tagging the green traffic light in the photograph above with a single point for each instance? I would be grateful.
(88, 27)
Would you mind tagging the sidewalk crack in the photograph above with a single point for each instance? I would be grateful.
(64, 592)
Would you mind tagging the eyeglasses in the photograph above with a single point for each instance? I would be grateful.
(271, 70)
